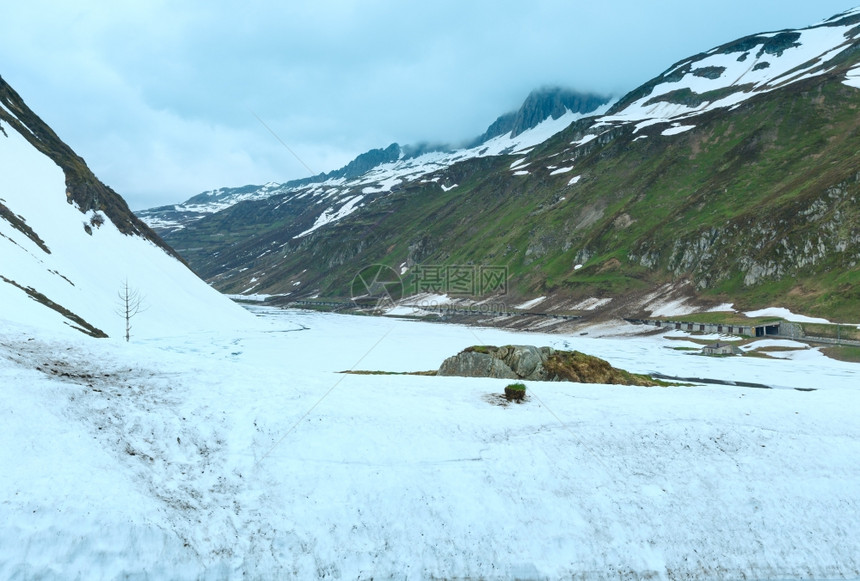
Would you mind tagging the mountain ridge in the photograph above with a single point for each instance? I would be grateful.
(540, 105)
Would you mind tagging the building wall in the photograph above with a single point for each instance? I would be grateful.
(793, 330)
(721, 350)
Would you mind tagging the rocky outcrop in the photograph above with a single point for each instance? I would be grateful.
(530, 363)
(366, 162)
(810, 235)
(508, 362)
(553, 102)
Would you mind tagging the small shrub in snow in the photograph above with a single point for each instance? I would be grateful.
(97, 220)
(515, 392)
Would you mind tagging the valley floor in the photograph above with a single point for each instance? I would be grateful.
(246, 454)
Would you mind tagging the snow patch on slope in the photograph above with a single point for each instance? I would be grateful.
(785, 314)
(852, 79)
(329, 216)
(591, 304)
(677, 129)
(531, 303)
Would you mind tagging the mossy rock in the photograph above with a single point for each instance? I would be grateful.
(485, 349)
(530, 363)
(582, 368)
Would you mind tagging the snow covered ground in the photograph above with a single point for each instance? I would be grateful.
(244, 454)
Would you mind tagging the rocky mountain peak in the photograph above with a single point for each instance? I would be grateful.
(540, 105)
(367, 161)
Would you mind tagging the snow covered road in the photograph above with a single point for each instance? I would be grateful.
(231, 455)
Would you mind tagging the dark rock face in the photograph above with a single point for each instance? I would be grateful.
(366, 162)
(778, 44)
(501, 126)
(545, 103)
(710, 72)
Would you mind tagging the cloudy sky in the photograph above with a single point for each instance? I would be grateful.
(164, 99)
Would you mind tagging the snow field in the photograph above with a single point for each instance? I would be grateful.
(218, 455)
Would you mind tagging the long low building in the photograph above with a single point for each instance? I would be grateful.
(779, 328)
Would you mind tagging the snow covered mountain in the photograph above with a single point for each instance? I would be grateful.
(69, 244)
(731, 174)
(723, 77)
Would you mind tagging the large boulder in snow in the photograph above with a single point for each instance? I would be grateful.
(526, 362)
(508, 362)
(476, 364)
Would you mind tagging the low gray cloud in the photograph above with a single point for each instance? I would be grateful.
(160, 97)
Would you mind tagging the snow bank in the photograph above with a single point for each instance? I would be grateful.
(783, 343)
(670, 308)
